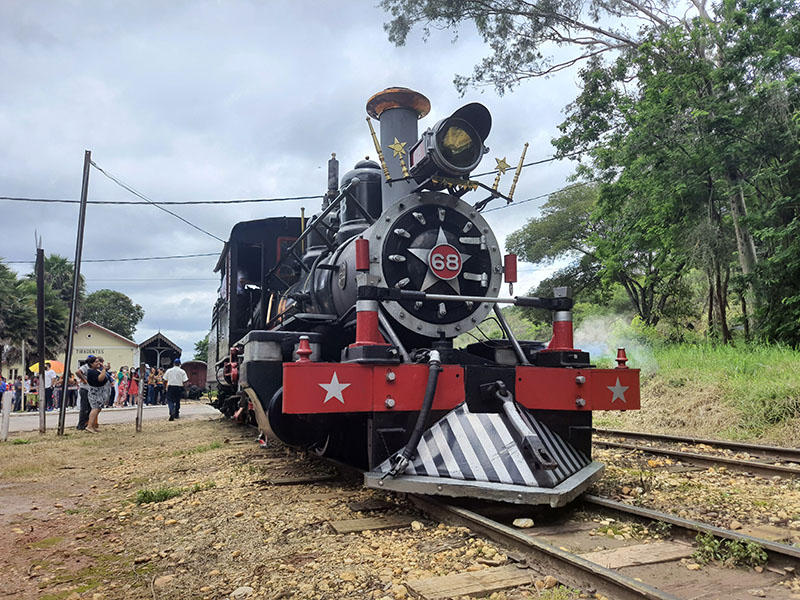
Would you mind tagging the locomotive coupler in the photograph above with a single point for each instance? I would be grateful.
(528, 441)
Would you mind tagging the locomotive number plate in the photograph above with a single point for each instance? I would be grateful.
(445, 262)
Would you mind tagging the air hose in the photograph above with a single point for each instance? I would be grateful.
(400, 461)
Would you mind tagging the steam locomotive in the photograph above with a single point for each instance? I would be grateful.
(337, 335)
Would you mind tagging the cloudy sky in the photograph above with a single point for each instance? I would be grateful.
(208, 100)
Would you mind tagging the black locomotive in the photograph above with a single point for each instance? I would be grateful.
(337, 335)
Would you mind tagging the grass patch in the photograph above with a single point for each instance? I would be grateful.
(744, 392)
(47, 542)
(728, 552)
(199, 487)
(20, 441)
(199, 449)
(147, 495)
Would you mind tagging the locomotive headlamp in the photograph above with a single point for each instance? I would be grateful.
(454, 146)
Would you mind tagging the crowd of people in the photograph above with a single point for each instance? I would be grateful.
(96, 386)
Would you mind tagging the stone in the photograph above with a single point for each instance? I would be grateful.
(735, 525)
(550, 582)
(239, 513)
(417, 526)
(163, 580)
(758, 593)
(794, 525)
(241, 592)
(141, 559)
(170, 521)
(626, 490)
(347, 576)
(214, 572)
(693, 567)
(523, 523)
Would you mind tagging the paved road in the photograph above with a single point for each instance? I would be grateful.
(30, 421)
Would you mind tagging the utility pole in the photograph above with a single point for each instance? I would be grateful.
(76, 277)
(40, 332)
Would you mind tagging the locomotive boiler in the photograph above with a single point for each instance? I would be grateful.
(337, 335)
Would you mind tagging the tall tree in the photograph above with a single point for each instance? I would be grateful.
(113, 310)
(201, 349)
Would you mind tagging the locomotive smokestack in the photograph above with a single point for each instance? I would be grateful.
(398, 110)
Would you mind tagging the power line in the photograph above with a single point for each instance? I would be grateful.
(143, 197)
(533, 163)
(509, 205)
(229, 201)
(105, 260)
(159, 202)
(156, 279)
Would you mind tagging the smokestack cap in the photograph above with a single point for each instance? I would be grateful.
(398, 97)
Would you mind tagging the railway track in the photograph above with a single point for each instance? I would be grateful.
(739, 463)
(571, 544)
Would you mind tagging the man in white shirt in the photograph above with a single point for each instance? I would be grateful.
(49, 378)
(176, 380)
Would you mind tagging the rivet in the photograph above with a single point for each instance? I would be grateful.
(580, 402)
(390, 376)
(438, 488)
(402, 315)
(580, 379)
(389, 402)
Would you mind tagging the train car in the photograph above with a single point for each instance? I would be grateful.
(349, 349)
(196, 371)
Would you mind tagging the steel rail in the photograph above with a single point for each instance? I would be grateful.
(768, 452)
(775, 550)
(746, 466)
(570, 569)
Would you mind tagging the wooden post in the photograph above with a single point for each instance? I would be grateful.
(40, 332)
(140, 399)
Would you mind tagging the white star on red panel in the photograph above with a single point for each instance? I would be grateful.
(618, 391)
(334, 389)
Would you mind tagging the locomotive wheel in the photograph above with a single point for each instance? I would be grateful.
(292, 430)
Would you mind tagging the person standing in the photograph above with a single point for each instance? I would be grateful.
(49, 379)
(176, 381)
(72, 390)
(151, 386)
(98, 392)
(18, 388)
(83, 392)
(159, 397)
(133, 387)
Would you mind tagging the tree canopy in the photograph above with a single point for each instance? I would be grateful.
(113, 310)
(688, 127)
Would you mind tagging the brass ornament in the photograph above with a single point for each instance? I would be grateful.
(378, 150)
(399, 149)
(517, 172)
(502, 167)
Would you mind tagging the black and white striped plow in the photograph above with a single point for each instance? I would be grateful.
(481, 455)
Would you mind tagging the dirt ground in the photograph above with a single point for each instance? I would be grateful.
(69, 516)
